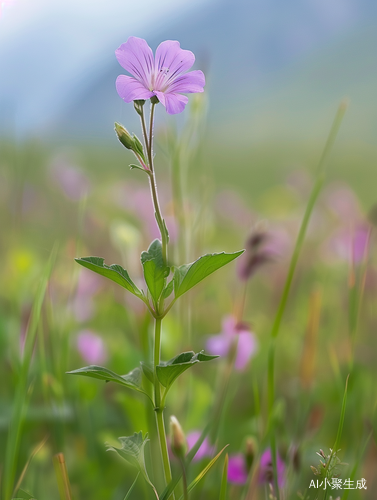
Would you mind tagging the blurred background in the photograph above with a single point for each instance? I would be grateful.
(239, 161)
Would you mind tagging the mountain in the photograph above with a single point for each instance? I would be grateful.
(268, 59)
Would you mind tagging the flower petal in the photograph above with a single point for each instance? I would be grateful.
(137, 58)
(175, 103)
(130, 89)
(161, 97)
(189, 83)
(169, 55)
(246, 348)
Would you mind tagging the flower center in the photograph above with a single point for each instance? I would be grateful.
(161, 79)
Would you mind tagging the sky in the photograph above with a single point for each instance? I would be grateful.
(46, 45)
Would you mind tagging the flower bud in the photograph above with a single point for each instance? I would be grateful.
(138, 105)
(124, 136)
(130, 142)
(177, 438)
(250, 451)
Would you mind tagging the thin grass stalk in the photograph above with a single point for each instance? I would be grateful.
(62, 477)
(291, 271)
(24, 389)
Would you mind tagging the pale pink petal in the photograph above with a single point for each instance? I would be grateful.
(175, 103)
(169, 55)
(246, 348)
(218, 344)
(205, 449)
(137, 58)
(161, 97)
(228, 326)
(189, 83)
(91, 347)
(130, 89)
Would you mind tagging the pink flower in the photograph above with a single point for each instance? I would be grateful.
(237, 472)
(163, 76)
(266, 472)
(220, 344)
(91, 347)
(205, 449)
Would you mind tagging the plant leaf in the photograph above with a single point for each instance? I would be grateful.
(132, 380)
(132, 450)
(114, 272)
(168, 371)
(155, 271)
(147, 370)
(189, 275)
(168, 289)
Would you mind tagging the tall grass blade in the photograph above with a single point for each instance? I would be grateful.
(33, 453)
(224, 479)
(23, 390)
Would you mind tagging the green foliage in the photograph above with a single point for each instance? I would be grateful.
(206, 469)
(132, 380)
(189, 275)
(132, 450)
(155, 270)
(114, 272)
(224, 479)
(169, 371)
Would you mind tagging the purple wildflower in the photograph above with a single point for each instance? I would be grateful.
(221, 343)
(237, 472)
(348, 244)
(91, 347)
(163, 76)
(205, 449)
(266, 473)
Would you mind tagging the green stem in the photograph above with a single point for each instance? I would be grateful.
(158, 407)
(184, 480)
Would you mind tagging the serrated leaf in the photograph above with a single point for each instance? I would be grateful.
(132, 450)
(155, 270)
(167, 372)
(189, 275)
(132, 380)
(114, 272)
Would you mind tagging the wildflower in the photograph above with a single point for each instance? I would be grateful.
(91, 347)
(205, 449)
(266, 471)
(237, 472)
(222, 343)
(164, 76)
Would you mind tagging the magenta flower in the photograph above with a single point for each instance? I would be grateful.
(205, 449)
(237, 472)
(221, 343)
(91, 347)
(163, 76)
(266, 472)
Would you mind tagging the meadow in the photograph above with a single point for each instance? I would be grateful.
(66, 200)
